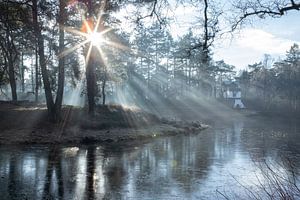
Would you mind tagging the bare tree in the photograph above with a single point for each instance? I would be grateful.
(261, 9)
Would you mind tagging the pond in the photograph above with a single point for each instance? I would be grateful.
(229, 160)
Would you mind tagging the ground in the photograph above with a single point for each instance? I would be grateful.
(27, 123)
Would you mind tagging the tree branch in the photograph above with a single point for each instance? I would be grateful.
(260, 10)
(152, 13)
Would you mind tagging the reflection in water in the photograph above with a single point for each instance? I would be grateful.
(53, 180)
(189, 167)
(12, 176)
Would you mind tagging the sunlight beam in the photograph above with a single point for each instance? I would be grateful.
(106, 31)
(98, 21)
(102, 55)
(67, 51)
(87, 59)
(117, 45)
(75, 31)
(89, 30)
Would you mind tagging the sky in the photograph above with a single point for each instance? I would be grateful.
(272, 36)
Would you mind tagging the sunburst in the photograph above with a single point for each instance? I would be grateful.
(94, 35)
(91, 36)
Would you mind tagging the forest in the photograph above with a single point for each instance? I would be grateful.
(49, 52)
(90, 72)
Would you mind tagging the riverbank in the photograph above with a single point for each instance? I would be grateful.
(27, 124)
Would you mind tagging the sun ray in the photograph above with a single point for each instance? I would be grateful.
(117, 45)
(106, 31)
(67, 51)
(100, 16)
(89, 30)
(87, 58)
(98, 20)
(75, 31)
(102, 55)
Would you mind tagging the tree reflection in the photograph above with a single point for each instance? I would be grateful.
(12, 190)
(54, 175)
(90, 173)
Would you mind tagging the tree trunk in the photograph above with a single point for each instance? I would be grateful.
(103, 90)
(10, 61)
(32, 76)
(148, 75)
(61, 63)
(12, 80)
(91, 81)
(36, 74)
(42, 61)
(22, 73)
(206, 35)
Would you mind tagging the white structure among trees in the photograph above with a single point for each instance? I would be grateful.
(232, 93)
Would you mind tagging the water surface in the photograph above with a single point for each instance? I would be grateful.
(223, 160)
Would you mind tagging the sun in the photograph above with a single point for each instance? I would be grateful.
(93, 32)
(96, 38)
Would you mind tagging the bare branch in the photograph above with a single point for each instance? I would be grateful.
(273, 9)
(153, 12)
